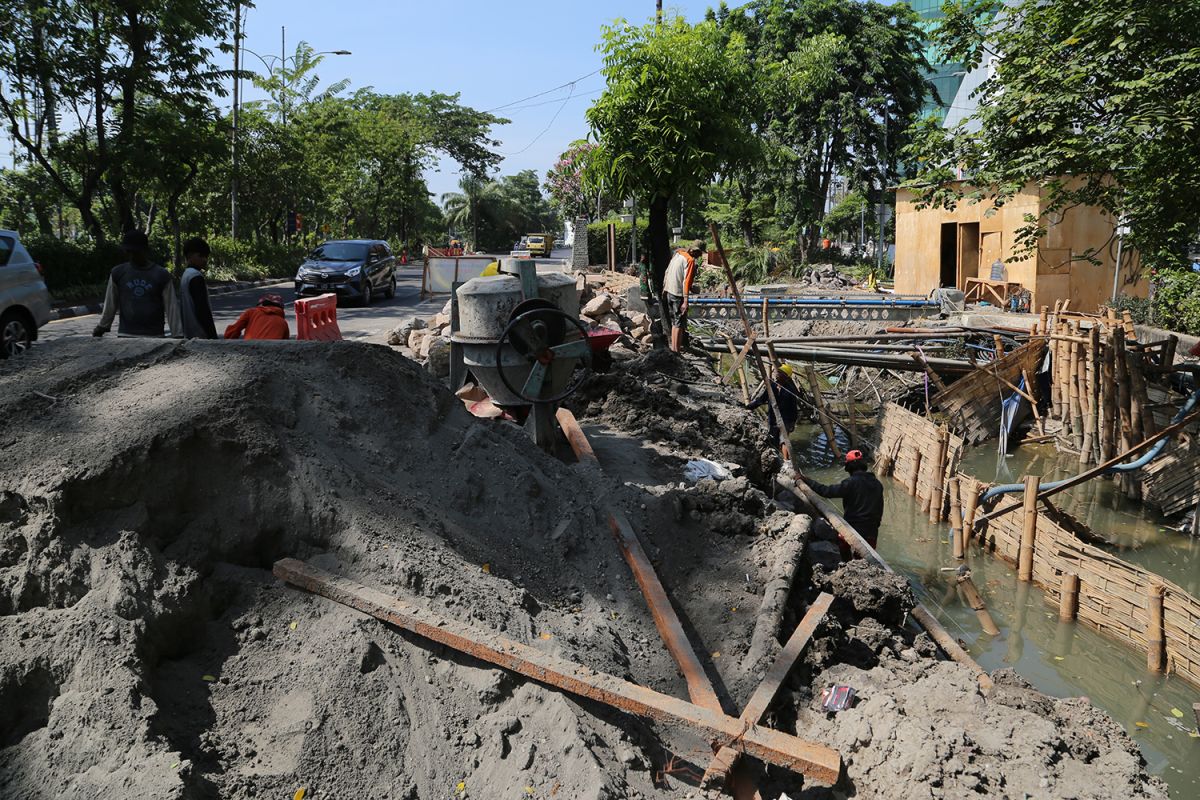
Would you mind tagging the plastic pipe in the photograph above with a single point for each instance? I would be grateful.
(1129, 466)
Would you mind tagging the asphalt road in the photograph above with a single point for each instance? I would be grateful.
(367, 324)
(364, 324)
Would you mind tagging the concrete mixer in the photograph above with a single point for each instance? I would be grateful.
(519, 334)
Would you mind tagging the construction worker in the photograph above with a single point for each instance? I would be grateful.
(786, 396)
(264, 321)
(862, 497)
(677, 286)
(141, 293)
(193, 292)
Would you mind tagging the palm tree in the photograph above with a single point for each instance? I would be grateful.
(477, 198)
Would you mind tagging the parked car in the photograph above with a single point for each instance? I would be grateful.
(24, 300)
(353, 269)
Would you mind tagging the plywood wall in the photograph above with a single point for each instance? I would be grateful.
(1056, 271)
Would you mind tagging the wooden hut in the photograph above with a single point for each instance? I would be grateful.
(957, 248)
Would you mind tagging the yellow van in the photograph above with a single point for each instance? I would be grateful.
(540, 244)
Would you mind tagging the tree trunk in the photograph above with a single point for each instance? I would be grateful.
(745, 220)
(659, 233)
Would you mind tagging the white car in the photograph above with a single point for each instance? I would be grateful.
(24, 300)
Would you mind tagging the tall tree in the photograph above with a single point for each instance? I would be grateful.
(839, 82)
(670, 116)
(98, 60)
(1094, 100)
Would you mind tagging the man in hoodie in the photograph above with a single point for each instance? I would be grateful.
(141, 292)
(264, 321)
(193, 292)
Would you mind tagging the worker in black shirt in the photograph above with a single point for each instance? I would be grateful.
(787, 398)
(862, 496)
(193, 292)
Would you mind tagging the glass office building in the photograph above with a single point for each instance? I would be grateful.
(946, 77)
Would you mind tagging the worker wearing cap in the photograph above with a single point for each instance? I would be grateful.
(677, 286)
(786, 397)
(862, 496)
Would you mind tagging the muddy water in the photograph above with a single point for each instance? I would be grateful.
(1061, 659)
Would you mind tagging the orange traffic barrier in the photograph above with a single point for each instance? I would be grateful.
(316, 319)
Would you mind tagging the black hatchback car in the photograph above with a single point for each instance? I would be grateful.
(353, 269)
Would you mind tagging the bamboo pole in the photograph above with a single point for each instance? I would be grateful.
(1055, 403)
(1077, 399)
(1108, 430)
(999, 343)
(970, 504)
(819, 401)
(1068, 598)
(938, 489)
(1155, 652)
(975, 601)
(1088, 404)
(956, 521)
(1029, 531)
(915, 475)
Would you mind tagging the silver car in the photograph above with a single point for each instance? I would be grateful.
(24, 300)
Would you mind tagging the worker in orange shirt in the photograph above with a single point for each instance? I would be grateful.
(677, 285)
(264, 321)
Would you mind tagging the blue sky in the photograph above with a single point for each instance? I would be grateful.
(493, 52)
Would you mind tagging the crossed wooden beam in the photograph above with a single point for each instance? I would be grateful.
(731, 737)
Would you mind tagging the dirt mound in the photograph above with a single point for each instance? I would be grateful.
(667, 398)
(146, 651)
(148, 488)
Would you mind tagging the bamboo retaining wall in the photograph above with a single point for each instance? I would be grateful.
(1113, 596)
(973, 402)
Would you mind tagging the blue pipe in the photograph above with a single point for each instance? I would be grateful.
(1151, 454)
(817, 301)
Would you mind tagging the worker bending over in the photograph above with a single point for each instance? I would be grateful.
(786, 396)
(862, 496)
(677, 286)
(264, 321)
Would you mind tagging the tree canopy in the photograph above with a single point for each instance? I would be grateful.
(668, 120)
(1093, 100)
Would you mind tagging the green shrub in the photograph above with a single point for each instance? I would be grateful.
(69, 264)
(1176, 303)
(598, 241)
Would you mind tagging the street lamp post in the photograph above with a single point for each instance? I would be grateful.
(281, 61)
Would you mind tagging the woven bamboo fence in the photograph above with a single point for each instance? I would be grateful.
(910, 448)
(973, 402)
(1114, 596)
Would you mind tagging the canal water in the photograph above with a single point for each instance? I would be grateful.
(1060, 659)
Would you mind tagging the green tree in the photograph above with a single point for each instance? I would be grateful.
(838, 84)
(1095, 101)
(670, 117)
(101, 59)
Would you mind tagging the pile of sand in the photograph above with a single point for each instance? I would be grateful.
(146, 651)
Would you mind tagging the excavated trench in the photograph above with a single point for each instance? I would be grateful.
(147, 651)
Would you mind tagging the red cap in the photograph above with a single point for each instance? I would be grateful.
(854, 456)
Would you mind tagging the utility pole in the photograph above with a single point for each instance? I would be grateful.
(237, 80)
(658, 12)
(283, 78)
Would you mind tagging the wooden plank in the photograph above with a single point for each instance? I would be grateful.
(700, 688)
(764, 694)
(814, 761)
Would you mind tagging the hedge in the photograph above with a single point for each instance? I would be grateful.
(598, 241)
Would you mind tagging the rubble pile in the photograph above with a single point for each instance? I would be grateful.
(826, 276)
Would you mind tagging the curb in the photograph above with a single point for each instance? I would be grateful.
(227, 288)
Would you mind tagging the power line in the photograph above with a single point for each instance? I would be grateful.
(548, 125)
(552, 102)
(548, 91)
